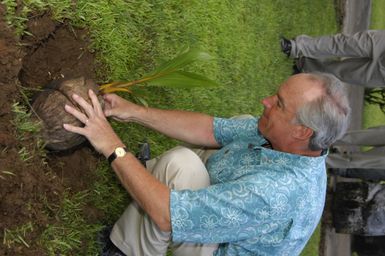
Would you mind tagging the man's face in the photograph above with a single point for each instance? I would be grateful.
(277, 122)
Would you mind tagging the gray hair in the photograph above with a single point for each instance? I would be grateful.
(328, 115)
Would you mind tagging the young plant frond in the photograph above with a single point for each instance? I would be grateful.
(183, 79)
(169, 74)
(183, 59)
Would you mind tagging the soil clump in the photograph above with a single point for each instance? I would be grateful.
(29, 181)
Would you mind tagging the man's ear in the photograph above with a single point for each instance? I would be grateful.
(302, 132)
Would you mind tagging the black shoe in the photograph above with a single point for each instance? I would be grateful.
(298, 66)
(108, 247)
(296, 70)
(285, 46)
(144, 153)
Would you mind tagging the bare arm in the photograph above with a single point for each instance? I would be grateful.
(151, 195)
(190, 127)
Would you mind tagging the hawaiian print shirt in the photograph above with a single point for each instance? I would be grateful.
(260, 201)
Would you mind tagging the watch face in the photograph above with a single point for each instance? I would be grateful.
(120, 152)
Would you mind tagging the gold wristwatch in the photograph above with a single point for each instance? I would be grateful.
(118, 152)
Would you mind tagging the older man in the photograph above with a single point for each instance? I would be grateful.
(261, 193)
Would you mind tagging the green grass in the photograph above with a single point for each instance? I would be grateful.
(312, 246)
(131, 38)
(377, 20)
(71, 234)
(23, 122)
(26, 130)
(17, 235)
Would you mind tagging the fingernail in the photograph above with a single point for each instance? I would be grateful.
(75, 95)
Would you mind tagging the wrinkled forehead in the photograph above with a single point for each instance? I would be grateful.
(299, 89)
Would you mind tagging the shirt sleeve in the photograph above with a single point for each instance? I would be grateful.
(228, 130)
(228, 212)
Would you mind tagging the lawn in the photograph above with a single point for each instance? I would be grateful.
(131, 37)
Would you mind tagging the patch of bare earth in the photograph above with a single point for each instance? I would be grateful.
(53, 50)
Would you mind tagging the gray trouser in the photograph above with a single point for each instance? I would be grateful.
(136, 234)
(363, 56)
(372, 159)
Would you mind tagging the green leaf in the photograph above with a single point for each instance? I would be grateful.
(183, 59)
(169, 74)
(183, 79)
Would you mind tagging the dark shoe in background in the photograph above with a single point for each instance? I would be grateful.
(144, 153)
(296, 70)
(298, 66)
(285, 46)
(108, 247)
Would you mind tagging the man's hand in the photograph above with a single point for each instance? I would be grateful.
(132, 174)
(119, 108)
(97, 129)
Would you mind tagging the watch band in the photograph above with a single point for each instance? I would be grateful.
(118, 152)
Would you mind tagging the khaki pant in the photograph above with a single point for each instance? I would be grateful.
(136, 234)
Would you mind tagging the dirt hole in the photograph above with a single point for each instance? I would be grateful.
(51, 50)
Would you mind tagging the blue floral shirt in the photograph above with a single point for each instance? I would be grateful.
(260, 201)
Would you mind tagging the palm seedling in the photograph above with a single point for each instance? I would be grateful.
(169, 74)
(49, 104)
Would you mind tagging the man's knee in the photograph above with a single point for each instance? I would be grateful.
(180, 168)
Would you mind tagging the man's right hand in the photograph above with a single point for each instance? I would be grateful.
(119, 108)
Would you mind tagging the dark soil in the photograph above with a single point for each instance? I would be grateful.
(53, 50)
(57, 51)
